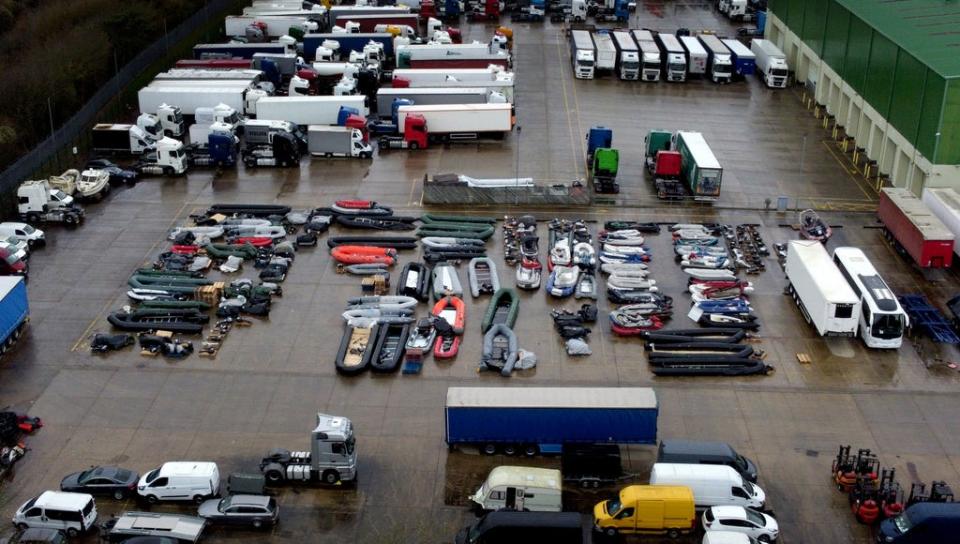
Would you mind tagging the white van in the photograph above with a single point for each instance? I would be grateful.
(521, 488)
(194, 481)
(23, 232)
(712, 485)
(73, 513)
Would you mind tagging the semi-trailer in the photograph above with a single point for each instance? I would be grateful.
(215, 64)
(606, 52)
(332, 141)
(14, 310)
(273, 26)
(700, 169)
(719, 62)
(237, 50)
(744, 61)
(771, 63)
(309, 110)
(503, 86)
(673, 57)
(188, 96)
(696, 56)
(337, 12)
(347, 43)
(649, 55)
(369, 22)
(420, 125)
(583, 53)
(914, 230)
(426, 96)
(534, 420)
(823, 295)
(252, 77)
(945, 204)
(111, 138)
(443, 77)
(452, 55)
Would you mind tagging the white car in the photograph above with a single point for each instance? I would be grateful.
(741, 520)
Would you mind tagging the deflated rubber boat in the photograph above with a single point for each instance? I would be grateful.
(360, 207)
(390, 346)
(446, 281)
(482, 275)
(414, 281)
(500, 350)
(394, 242)
(376, 222)
(185, 321)
(586, 287)
(356, 346)
(502, 310)
(453, 314)
(682, 336)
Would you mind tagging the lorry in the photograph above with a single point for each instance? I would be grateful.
(369, 22)
(14, 310)
(609, 10)
(484, 10)
(532, 420)
(257, 132)
(700, 169)
(425, 96)
(327, 141)
(502, 86)
(166, 157)
(109, 138)
(218, 148)
(272, 26)
(452, 55)
(308, 110)
(664, 164)
(719, 62)
(695, 55)
(583, 54)
(237, 50)
(205, 117)
(456, 122)
(188, 96)
(914, 230)
(673, 57)
(945, 204)
(823, 295)
(771, 63)
(744, 61)
(452, 77)
(606, 60)
(332, 457)
(649, 55)
(165, 119)
(628, 56)
(214, 64)
(347, 43)
(37, 201)
(597, 137)
(251, 76)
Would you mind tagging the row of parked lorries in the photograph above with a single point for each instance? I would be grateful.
(644, 55)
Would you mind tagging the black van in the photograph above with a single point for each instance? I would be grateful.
(509, 527)
(921, 523)
(693, 452)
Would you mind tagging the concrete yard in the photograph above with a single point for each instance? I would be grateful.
(269, 380)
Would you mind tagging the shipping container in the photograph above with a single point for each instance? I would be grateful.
(914, 229)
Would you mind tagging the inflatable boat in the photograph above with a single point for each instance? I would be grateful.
(414, 281)
(503, 309)
(500, 349)
(356, 346)
(446, 281)
(364, 255)
(390, 346)
(528, 275)
(482, 275)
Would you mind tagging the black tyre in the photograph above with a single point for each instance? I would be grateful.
(197, 499)
(22, 526)
(331, 477)
(70, 219)
(414, 146)
(33, 218)
(274, 476)
(119, 494)
(610, 532)
(489, 449)
(764, 538)
(73, 532)
(510, 449)
(152, 499)
(531, 450)
(673, 533)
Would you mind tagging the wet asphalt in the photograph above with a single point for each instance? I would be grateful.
(268, 381)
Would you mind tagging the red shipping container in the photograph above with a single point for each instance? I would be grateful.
(911, 223)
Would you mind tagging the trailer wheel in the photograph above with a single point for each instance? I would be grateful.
(331, 477)
(33, 217)
(73, 532)
(531, 450)
(70, 220)
(274, 476)
(510, 449)
(490, 449)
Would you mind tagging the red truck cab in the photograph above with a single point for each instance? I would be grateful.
(667, 165)
(415, 131)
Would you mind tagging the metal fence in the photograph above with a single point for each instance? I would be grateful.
(114, 101)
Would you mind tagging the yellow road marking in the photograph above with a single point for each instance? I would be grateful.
(566, 107)
(855, 179)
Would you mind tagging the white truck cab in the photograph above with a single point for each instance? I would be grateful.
(771, 63)
(73, 513)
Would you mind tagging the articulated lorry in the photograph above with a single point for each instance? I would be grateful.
(699, 167)
(428, 96)
(461, 121)
(744, 61)
(719, 62)
(628, 56)
(452, 77)
(583, 53)
(673, 58)
(664, 164)
(370, 22)
(771, 63)
(649, 55)
(272, 26)
(190, 95)
(14, 310)
(532, 420)
(606, 52)
(452, 55)
(823, 295)
(332, 457)
(347, 43)
(696, 56)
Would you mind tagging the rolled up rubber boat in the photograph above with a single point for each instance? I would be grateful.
(222, 251)
(175, 284)
(628, 268)
(730, 321)
(380, 315)
(679, 368)
(360, 207)
(696, 335)
(176, 304)
(498, 357)
(650, 228)
(356, 346)
(439, 218)
(482, 275)
(445, 281)
(442, 242)
(364, 255)
(185, 321)
(699, 349)
(394, 242)
(271, 231)
(376, 222)
(255, 210)
(481, 233)
(255, 241)
(435, 256)
(390, 347)
(502, 309)
(414, 281)
(208, 232)
(366, 269)
(384, 302)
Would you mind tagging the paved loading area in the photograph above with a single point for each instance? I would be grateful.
(269, 380)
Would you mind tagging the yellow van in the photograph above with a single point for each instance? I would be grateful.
(647, 509)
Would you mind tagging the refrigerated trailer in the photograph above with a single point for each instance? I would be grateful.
(460, 121)
(945, 204)
(825, 299)
(719, 61)
(308, 110)
(771, 63)
(188, 96)
(914, 230)
(274, 25)
(744, 61)
(672, 57)
(583, 54)
(236, 50)
(428, 96)
(449, 77)
(696, 56)
(544, 419)
(606, 52)
(649, 55)
(700, 169)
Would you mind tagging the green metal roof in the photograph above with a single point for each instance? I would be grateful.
(927, 29)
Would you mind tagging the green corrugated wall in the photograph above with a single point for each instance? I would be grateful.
(916, 100)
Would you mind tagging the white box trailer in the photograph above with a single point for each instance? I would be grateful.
(251, 77)
(461, 119)
(276, 25)
(823, 295)
(442, 77)
(945, 205)
(606, 51)
(308, 110)
(190, 97)
(696, 55)
(427, 96)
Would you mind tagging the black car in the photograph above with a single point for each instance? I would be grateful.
(117, 174)
(36, 536)
(113, 481)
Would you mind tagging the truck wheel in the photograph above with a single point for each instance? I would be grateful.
(70, 220)
(531, 450)
(331, 477)
(610, 532)
(22, 526)
(274, 476)
(414, 146)
(72, 532)
(490, 449)
(366, 155)
(167, 171)
(510, 449)
(33, 218)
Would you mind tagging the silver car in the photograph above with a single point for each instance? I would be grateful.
(247, 510)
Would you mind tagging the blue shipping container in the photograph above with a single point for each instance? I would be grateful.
(348, 43)
(551, 416)
(14, 308)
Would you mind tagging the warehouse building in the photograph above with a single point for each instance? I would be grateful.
(889, 72)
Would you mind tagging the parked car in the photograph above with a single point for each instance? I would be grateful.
(36, 536)
(117, 174)
(113, 481)
(22, 231)
(741, 520)
(252, 510)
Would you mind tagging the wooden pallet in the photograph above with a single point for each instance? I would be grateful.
(804, 358)
(377, 284)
